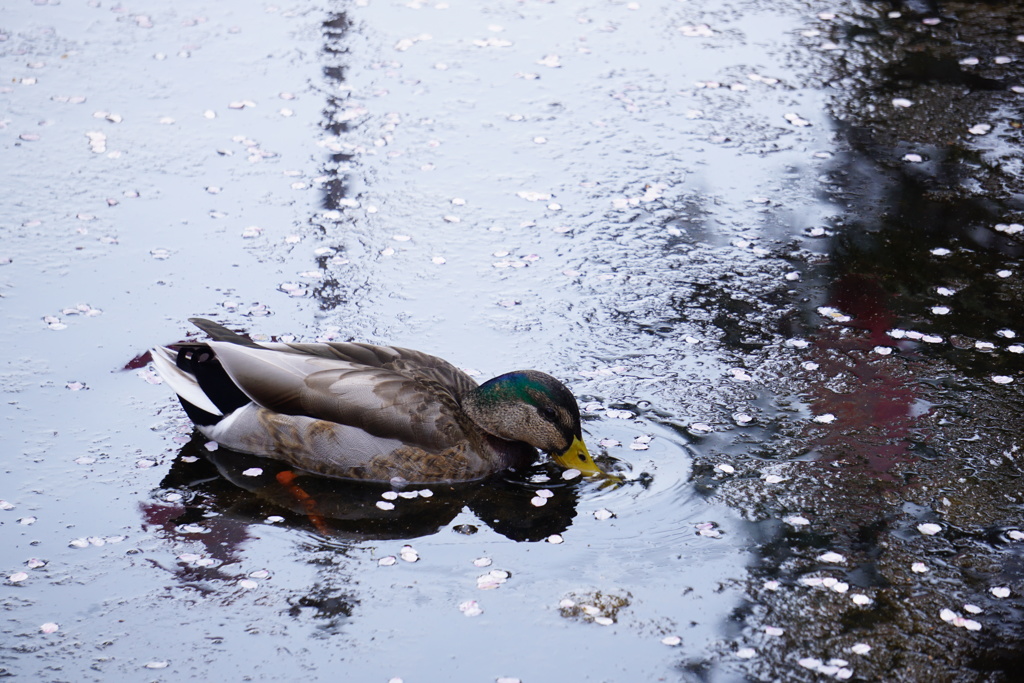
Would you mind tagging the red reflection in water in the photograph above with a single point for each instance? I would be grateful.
(875, 402)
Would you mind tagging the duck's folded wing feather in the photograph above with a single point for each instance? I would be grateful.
(379, 401)
(408, 362)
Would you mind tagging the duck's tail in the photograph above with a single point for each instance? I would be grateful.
(193, 372)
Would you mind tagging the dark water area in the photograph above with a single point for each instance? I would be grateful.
(774, 249)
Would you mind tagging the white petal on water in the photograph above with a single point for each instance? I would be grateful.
(470, 608)
(726, 468)
(919, 568)
(1006, 333)
(555, 539)
(604, 621)
(941, 251)
(408, 553)
(537, 501)
(389, 495)
(883, 350)
(387, 561)
(809, 365)
(603, 514)
(773, 630)
(980, 129)
(385, 505)
(701, 428)
(831, 558)
(826, 418)
(810, 662)
(972, 609)
(259, 574)
(253, 472)
(1000, 591)
(746, 653)
(861, 599)
(570, 474)
(902, 102)
(482, 562)
(248, 584)
(1002, 379)
(671, 641)
(545, 493)
(947, 614)
(17, 577)
(49, 627)
(913, 158)
(1014, 534)
(157, 665)
(929, 529)
(796, 520)
(940, 310)
(1004, 273)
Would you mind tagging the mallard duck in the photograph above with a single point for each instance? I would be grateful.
(371, 413)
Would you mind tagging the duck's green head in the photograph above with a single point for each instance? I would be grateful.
(530, 406)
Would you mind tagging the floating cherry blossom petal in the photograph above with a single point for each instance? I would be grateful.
(603, 514)
(555, 539)
(49, 627)
(929, 529)
(831, 558)
(1000, 591)
(387, 561)
(470, 608)
(385, 505)
(919, 568)
(773, 631)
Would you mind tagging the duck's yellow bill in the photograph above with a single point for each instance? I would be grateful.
(578, 457)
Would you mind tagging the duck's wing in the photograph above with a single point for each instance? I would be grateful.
(408, 362)
(377, 400)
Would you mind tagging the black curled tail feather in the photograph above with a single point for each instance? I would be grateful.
(200, 361)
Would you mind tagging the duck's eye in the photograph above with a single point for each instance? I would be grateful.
(548, 413)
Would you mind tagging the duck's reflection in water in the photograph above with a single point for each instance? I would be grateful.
(263, 491)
